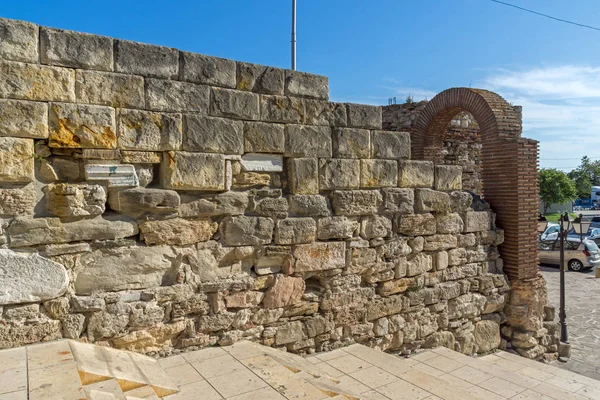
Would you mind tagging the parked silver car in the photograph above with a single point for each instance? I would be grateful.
(578, 256)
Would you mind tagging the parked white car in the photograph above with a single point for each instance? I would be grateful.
(578, 256)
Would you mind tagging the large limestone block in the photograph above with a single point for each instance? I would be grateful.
(178, 231)
(356, 202)
(16, 160)
(319, 256)
(308, 141)
(378, 173)
(283, 109)
(428, 200)
(75, 49)
(18, 40)
(303, 175)
(414, 174)
(26, 119)
(460, 202)
(36, 82)
(337, 173)
(25, 231)
(295, 231)
(27, 278)
(17, 200)
(259, 78)
(306, 85)
(235, 104)
(125, 268)
(149, 131)
(487, 336)
(108, 89)
(477, 221)
(439, 242)
(375, 226)
(364, 116)
(193, 171)
(82, 126)
(449, 223)
(72, 200)
(397, 200)
(227, 203)
(416, 224)
(247, 231)
(448, 177)
(309, 206)
(286, 291)
(260, 137)
(351, 143)
(336, 228)
(14, 336)
(213, 135)
(138, 202)
(174, 96)
(209, 70)
(325, 113)
(390, 145)
(289, 333)
(146, 59)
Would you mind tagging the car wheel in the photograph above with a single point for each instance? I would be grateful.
(575, 265)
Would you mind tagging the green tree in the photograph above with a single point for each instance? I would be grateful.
(585, 176)
(556, 187)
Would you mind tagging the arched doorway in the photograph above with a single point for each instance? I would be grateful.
(509, 164)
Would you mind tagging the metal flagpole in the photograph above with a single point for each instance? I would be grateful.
(294, 35)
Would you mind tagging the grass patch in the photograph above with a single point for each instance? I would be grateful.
(553, 217)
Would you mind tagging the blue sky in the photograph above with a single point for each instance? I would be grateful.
(373, 50)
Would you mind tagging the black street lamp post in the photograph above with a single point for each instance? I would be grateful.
(564, 223)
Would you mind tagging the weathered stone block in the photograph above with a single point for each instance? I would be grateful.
(27, 278)
(351, 143)
(356, 202)
(256, 162)
(267, 203)
(477, 221)
(303, 175)
(307, 141)
(395, 286)
(448, 177)
(457, 256)
(209, 70)
(306, 85)
(419, 264)
(415, 174)
(416, 224)
(398, 201)
(449, 223)
(16, 160)
(428, 200)
(149, 131)
(235, 104)
(228, 203)
(17, 200)
(295, 231)
(108, 89)
(25, 231)
(323, 112)
(112, 175)
(260, 137)
(487, 336)
(440, 260)
(75, 49)
(319, 256)
(309, 206)
(141, 157)
(259, 78)
(71, 200)
(289, 333)
(125, 268)
(82, 126)
(246, 180)
(390, 145)
(36, 82)
(146, 59)
(460, 201)
(175, 96)
(289, 110)
(246, 231)
(26, 119)
(193, 171)
(439, 242)
(18, 40)
(213, 135)
(337, 173)
(364, 116)
(177, 231)
(336, 228)
(375, 226)
(378, 173)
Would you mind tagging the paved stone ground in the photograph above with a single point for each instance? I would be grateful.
(583, 318)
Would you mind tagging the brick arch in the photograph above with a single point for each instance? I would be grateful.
(509, 167)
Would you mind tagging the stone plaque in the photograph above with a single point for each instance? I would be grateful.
(116, 175)
(255, 162)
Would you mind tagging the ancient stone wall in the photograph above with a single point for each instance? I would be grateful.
(153, 199)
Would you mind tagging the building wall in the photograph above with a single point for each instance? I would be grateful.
(155, 200)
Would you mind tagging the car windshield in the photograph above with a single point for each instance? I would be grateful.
(591, 246)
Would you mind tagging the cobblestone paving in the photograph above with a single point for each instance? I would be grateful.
(583, 318)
